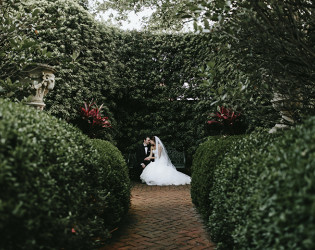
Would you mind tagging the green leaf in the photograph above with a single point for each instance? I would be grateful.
(220, 90)
(206, 23)
(186, 16)
(211, 64)
(195, 26)
(35, 12)
(75, 55)
(220, 4)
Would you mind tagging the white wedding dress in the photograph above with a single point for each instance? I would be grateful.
(162, 172)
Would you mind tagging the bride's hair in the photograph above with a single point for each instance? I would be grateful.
(153, 138)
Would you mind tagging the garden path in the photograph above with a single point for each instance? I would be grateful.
(161, 217)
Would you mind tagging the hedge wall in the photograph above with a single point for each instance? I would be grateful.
(137, 75)
(262, 192)
(54, 184)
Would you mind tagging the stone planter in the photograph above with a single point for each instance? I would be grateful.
(41, 79)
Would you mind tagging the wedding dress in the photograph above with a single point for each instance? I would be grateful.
(162, 172)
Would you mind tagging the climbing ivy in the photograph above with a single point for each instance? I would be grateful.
(162, 84)
(139, 77)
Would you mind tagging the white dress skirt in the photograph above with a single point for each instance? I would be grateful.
(162, 174)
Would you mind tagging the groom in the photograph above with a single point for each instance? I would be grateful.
(143, 151)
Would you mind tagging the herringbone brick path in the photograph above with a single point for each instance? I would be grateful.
(161, 217)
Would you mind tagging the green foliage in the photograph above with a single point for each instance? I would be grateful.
(264, 47)
(162, 17)
(234, 179)
(83, 53)
(117, 184)
(152, 99)
(18, 47)
(261, 195)
(138, 76)
(83, 3)
(52, 181)
(261, 48)
(283, 195)
(74, 39)
(206, 160)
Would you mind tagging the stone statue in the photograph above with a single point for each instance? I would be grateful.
(42, 88)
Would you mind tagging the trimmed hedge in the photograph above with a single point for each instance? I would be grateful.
(281, 210)
(262, 195)
(233, 182)
(52, 182)
(117, 184)
(207, 158)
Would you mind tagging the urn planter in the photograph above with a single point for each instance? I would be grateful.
(41, 79)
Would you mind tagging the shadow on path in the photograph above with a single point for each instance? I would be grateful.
(161, 217)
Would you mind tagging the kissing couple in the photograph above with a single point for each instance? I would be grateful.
(156, 166)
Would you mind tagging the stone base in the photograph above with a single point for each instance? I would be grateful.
(37, 105)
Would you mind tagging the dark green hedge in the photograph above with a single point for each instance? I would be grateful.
(233, 182)
(139, 75)
(85, 56)
(117, 184)
(262, 195)
(206, 160)
(53, 181)
(281, 210)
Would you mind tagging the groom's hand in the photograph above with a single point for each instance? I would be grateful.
(142, 164)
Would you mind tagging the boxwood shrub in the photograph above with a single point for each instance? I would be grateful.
(262, 192)
(207, 158)
(52, 182)
(233, 181)
(115, 172)
(281, 209)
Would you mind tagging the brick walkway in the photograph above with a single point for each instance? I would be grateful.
(161, 217)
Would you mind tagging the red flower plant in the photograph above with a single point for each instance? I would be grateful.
(91, 121)
(93, 115)
(226, 119)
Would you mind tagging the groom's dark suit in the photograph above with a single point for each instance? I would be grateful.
(140, 155)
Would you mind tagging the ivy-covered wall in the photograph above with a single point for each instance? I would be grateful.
(152, 97)
(138, 76)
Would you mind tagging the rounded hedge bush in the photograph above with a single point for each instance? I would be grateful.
(233, 181)
(206, 159)
(262, 191)
(51, 181)
(115, 172)
(281, 210)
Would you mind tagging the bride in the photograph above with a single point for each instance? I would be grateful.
(161, 171)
